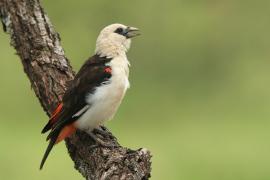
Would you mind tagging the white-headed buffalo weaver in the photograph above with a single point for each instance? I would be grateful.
(97, 90)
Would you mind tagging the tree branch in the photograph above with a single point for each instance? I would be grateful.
(44, 62)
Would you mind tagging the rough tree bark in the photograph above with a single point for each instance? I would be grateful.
(44, 62)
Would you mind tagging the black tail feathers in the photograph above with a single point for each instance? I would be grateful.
(47, 127)
(48, 150)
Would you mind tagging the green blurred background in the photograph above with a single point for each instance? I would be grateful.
(199, 97)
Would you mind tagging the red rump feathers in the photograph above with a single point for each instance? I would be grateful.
(55, 113)
(53, 118)
(65, 131)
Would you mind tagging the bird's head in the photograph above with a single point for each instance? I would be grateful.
(115, 40)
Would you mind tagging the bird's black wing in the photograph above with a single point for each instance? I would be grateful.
(92, 74)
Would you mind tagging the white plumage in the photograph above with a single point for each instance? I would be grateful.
(106, 99)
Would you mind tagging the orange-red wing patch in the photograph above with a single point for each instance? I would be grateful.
(55, 113)
(66, 132)
(108, 70)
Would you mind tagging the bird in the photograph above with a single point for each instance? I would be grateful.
(96, 92)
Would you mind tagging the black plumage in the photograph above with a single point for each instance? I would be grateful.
(91, 75)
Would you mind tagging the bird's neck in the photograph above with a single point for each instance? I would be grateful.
(111, 49)
(120, 65)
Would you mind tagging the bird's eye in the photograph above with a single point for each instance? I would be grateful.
(119, 30)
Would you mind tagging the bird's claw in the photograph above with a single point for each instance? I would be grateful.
(101, 143)
(104, 132)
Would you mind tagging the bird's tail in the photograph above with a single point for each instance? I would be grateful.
(52, 142)
(56, 135)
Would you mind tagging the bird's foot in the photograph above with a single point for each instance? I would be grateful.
(101, 143)
(104, 132)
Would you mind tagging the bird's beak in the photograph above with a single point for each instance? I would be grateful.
(132, 32)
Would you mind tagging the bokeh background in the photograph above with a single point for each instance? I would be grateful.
(199, 97)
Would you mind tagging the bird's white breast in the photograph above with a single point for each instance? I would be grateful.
(106, 99)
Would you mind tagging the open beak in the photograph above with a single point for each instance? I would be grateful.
(132, 32)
